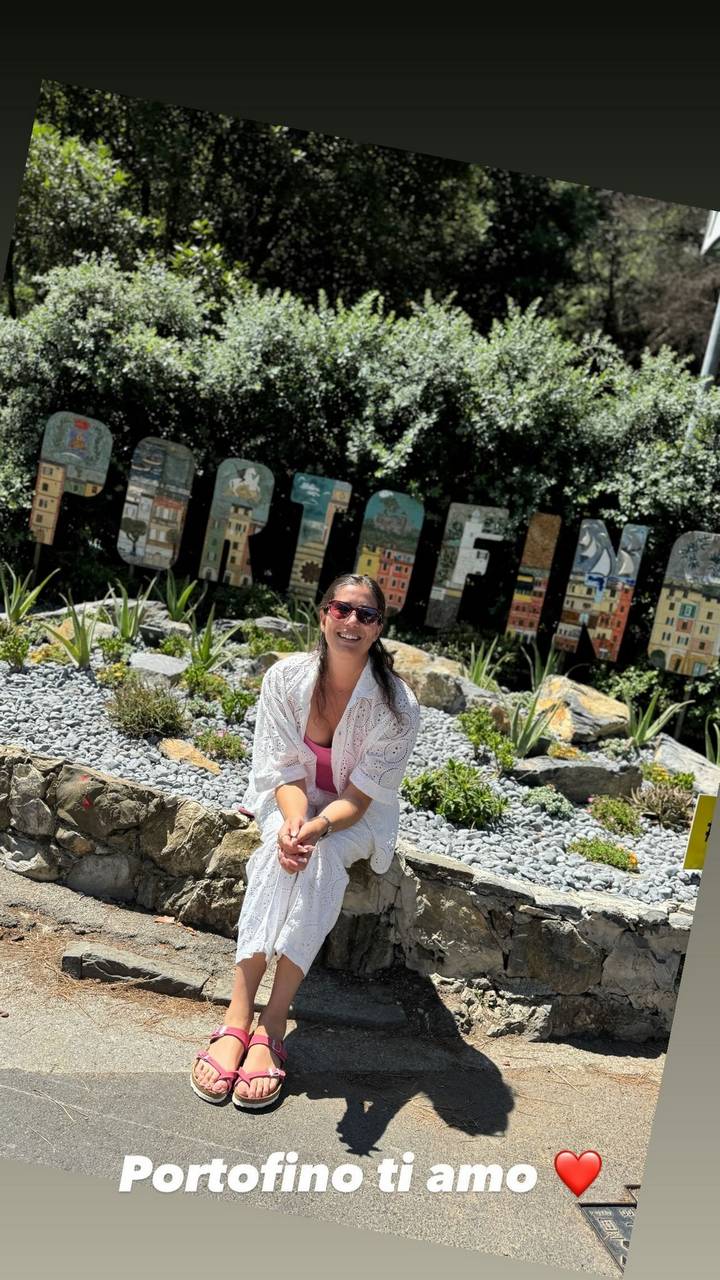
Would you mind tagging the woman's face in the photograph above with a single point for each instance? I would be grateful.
(346, 635)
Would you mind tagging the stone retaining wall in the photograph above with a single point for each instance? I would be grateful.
(519, 957)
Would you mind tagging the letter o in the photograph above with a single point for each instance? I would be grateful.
(168, 1177)
(347, 1177)
(521, 1177)
(243, 1177)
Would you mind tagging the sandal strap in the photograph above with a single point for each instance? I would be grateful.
(276, 1046)
(238, 1032)
(272, 1073)
(223, 1072)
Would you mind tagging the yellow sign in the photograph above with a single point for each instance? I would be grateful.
(699, 833)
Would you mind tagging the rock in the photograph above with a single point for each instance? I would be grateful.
(280, 626)
(555, 954)
(90, 960)
(232, 853)
(589, 1015)
(434, 681)
(584, 714)
(677, 758)
(632, 968)
(106, 809)
(28, 783)
(265, 661)
(158, 668)
(178, 749)
(37, 862)
(34, 818)
(103, 630)
(105, 875)
(180, 836)
(449, 934)
(74, 842)
(578, 779)
(359, 944)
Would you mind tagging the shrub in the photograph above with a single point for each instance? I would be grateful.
(618, 748)
(528, 726)
(220, 744)
(616, 814)
(457, 793)
(174, 645)
(235, 702)
(14, 648)
(177, 597)
(80, 646)
(126, 617)
(596, 849)
(670, 805)
(208, 649)
(114, 648)
(712, 738)
(482, 731)
(50, 653)
(140, 709)
(113, 675)
(18, 596)
(550, 800)
(480, 668)
(203, 683)
(643, 726)
(260, 642)
(563, 751)
(662, 777)
(254, 601)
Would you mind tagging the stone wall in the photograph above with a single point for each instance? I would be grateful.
(518, 957)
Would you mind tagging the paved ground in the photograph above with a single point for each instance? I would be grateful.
(91, 1072)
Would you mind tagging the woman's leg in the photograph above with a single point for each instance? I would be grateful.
(313, 908)
(228, 1049)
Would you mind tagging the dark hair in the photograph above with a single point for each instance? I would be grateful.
(380, 659)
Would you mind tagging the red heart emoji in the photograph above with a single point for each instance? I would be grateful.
(577, 1172)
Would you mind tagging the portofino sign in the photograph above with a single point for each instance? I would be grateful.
(685, 636)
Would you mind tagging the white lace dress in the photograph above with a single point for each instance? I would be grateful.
(292, 914)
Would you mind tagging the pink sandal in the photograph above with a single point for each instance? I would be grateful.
(223, 1073)
(272, 1073)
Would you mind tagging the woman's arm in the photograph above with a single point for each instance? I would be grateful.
(341, 814)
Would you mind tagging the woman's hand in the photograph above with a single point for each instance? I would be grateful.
(292, 858)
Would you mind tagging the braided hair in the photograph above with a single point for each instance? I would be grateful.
(381, 659)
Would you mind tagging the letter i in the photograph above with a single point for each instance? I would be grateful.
(288, 1179)
(406, 1172)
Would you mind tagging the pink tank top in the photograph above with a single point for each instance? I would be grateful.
(323, 768)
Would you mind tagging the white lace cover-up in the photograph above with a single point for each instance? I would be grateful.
(292, 914)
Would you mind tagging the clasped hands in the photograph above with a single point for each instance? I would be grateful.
(296, 841)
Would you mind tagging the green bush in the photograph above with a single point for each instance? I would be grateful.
(140, 709)
(618, 748)
(113, 675)
(483, 732)
(550, 800)
(235, 702)
(114, 648)
(174, 645)
(260, 642)
(51, 653)
(662, 777)
(14, 648)
(563, 751)
(221, 745)
(616, 814)
(596, 849)
(457, 793)
(203, 683)
(254, 601)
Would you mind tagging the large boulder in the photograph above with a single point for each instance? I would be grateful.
(677, 758)
(578, 779)
(584, 714)
(439, 682)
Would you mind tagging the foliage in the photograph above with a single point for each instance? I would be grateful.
(528, 726)
(114, 648)
(712, 743)
(481, 669)
(481, 729)
(643, 726)
(550, 800)
(204, 684)
(618, 748)
(221, 745)
(260, 642)
(634, 682)
(174, 645)
(177, 596)
(114, 674)
(140, 709)
(306, 626)
(616, 814)
(19, 597)
(595, 849)
(207, 649)
(253, 601)
(235, 703)
(50, 653)
(128, 617)
(79, 647)
(457, 793)
(563, 751)
(14, 648)
(660, 776)
(671, 805)
(541, 668)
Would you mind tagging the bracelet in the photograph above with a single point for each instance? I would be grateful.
(329, 827)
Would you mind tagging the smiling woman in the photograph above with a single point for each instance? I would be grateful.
(333, 735)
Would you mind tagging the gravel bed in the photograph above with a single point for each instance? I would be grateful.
(58, 710)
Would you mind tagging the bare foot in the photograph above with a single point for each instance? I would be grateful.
(228, 1051)
(260, 1058)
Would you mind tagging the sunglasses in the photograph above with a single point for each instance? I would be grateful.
(365, 614)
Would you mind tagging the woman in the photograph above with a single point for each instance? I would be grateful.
(333, 735)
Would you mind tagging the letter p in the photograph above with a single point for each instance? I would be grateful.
(135, 1169)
